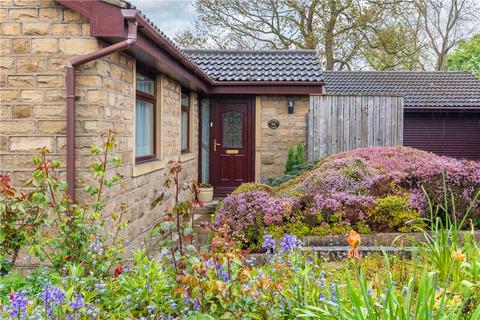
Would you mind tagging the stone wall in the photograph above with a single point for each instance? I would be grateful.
(272, 144)
(37, 39)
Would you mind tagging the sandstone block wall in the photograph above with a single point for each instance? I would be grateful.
(273, 144)
(37, 38)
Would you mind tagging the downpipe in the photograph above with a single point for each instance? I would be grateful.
(130, 16)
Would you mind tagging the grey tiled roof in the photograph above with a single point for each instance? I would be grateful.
(262, 65)
(421, 89)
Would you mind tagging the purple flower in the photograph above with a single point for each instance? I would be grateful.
(405, 291)
(268, 243)
(290, 243)
(225, 276)
(52, 296)
(77, 303)
(18, 304)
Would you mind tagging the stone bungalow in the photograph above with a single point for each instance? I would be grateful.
(72, 69)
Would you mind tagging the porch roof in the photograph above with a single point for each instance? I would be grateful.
(258, 65)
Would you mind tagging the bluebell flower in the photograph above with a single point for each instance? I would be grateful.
(78, 303)
(225, 276)
(290, 243)
(268, 243)
(18, 304)
(52, 296)
(321, 297)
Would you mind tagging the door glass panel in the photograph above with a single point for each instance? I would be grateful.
(232, 129)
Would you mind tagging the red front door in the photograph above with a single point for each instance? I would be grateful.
(232, 143)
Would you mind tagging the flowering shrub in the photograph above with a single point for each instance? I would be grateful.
(382, 171)
(241, 212)
(376, 188)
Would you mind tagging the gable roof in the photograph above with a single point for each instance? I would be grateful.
(421, 89)
(258, 65)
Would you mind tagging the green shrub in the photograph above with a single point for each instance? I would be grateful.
(361, 227)
(300, 154)
(294, 158)
(291, 160)
(276, 231)
(342, 227)
(250, 187)
(294, 172)
(298, 229)
(321, 230)
(392, 213)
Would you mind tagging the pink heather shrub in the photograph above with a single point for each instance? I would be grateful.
(346, 187)
(352, 207)
(381, 171)
(254, 209)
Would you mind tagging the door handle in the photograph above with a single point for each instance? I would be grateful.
(215, 144)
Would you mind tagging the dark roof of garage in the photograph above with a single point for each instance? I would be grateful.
(420, 89)
(258, 65)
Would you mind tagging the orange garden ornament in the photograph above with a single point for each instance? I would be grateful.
(354, 240)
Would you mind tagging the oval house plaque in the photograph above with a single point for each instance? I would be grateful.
(273, 124)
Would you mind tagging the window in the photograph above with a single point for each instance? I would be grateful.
(145, 114)
(185, 122)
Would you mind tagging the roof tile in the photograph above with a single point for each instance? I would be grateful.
(258, 65)
(420, 88)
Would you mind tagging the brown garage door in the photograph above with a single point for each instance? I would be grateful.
(455, 134)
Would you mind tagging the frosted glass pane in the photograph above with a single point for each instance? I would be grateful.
(232, 129)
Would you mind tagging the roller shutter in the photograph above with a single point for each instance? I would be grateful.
(455, 134)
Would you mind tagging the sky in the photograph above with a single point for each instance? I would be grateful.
(171, 16)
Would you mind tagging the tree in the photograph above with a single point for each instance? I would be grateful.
(466, 57)
(394, 41)
(330, 26)
(445, 23)
(348, 34)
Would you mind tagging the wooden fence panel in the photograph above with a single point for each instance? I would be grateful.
(339, 123)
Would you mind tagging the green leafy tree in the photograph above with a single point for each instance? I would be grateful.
(466, 57)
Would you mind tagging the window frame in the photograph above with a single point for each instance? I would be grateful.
(186, 109)
(144, 96)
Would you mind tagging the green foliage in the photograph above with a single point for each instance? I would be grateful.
(363, 299)
(249, 187)
(78, 230)
(291, 159)
(393, 213)
(300, 154)
(21, 214)
(298, 229)
(466, 57)
(53, 227)
(176, 226)
(294, 172)
(443, 248)
(294, 158)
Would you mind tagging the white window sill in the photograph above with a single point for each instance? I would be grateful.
(185, 157)
(147, 167)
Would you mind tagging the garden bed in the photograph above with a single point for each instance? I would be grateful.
(376, 189)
